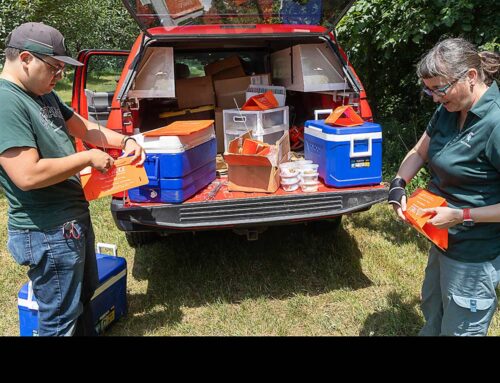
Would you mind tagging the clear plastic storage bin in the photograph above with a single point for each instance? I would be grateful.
(266, 125)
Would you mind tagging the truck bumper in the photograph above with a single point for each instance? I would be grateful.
(241, 213)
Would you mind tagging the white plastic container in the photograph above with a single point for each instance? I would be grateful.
(290, 183)
(309, 186)
(309, 177)
(289, 179)
(266, 125)
(307, 169)
(289, 169)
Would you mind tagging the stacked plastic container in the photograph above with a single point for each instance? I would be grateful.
(302, 173)
(266, 125)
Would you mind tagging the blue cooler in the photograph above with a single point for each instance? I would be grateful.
(347, 156)
(109, 302)
(177, 166)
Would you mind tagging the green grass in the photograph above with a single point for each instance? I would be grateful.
(102, 82)
(296, 280)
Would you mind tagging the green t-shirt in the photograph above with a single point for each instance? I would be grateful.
(38, 122)
(465, 170)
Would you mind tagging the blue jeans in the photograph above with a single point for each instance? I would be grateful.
(63, 270)
(458, 298)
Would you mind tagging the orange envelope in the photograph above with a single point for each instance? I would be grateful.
(262, 101)
(122, 176)
(351, 119)
(422, 199)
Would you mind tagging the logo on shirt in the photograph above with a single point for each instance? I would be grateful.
(467, 139)
(48, 117)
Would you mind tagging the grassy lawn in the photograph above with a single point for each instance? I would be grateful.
(103, 82)
(296, 280)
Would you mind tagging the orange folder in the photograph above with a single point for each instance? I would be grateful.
(180, 128)
(262, 101)
(351, 119)
(122, 176)
(423, 199)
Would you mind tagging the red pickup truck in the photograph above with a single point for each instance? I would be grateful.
(182, 38)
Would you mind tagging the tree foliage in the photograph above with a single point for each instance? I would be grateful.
(386, 38)
(84, 23)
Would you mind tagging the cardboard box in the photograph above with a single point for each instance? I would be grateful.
(254, 173)
(219, 129)
(229, 90)
(228, 67)
(194, 91)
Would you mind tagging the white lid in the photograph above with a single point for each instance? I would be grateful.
(290, 181)
(175, 144)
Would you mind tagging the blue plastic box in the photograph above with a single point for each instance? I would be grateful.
(347, 156)
(109, 302)
(177, 166)
(172, 190)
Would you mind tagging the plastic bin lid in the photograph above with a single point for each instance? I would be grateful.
(180, 128)
(367, 127)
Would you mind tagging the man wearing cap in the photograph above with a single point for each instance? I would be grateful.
(49, 223)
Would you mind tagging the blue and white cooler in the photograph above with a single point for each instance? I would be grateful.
(347, 156)
(178, 166)
(109, 302)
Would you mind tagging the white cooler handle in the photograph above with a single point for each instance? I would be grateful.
(109, 246)
(355, 138)
(321, 111)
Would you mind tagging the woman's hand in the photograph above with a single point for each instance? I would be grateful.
(397, 196)
(444, 217)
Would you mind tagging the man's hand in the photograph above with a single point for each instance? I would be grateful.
(100, 160)
(132, 147)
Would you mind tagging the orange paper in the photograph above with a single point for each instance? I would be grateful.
(180, 128)
(351, 119)
(122, 176)
(422, 199)
(262, 101)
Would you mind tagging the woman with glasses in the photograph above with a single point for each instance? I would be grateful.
(461, 148)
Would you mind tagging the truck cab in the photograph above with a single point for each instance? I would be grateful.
(247, 41)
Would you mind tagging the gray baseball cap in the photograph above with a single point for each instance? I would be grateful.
(42, 39)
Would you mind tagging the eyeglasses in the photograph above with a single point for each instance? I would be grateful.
(56, 71)
(441, 92)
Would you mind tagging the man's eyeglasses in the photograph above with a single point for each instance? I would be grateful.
(56, 71)
(441, 92)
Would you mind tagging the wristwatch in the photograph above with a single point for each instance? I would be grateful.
(468, 221)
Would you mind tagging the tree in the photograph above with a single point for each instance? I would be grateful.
(386, 38)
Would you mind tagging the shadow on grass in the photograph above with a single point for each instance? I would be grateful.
(387, 225)
(222, 267)
(402, 319)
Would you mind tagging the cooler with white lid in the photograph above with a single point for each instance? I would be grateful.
(347, 156)
(109, 302)
(178, 166)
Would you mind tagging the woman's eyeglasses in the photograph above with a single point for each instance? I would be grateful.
(56, 71)
(441, 92)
